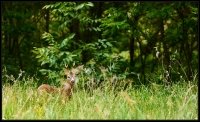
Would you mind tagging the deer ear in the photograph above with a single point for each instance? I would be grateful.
(66, 70)
(78, 69)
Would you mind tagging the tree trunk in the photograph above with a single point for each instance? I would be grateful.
(142, 62)
(166, 53)
(132, 40)
(88, 35)
(131, 52)
(18, 52)
(75, 28)
(187, 52)
(47, 20)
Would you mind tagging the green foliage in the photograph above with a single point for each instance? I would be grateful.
(113, 23)
(19, 32)
(55, 52)
(66, 12)
(63, 34)
(56, 56)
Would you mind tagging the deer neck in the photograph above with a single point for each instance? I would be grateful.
(71, 84)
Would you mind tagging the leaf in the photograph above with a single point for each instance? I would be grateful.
(71, 36)
(61, 54)
(38, 56)
(109, 44)
(44, 71)
(48, 37)
(90, 4)
(44, 62)
(66, 40)
(46, 7)
(79, 6)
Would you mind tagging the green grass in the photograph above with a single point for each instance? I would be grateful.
(141, 103)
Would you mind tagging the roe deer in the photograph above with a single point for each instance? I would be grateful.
(68, 85)
(66, 89)
(47, 88)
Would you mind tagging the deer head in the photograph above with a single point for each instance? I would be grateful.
(71, 74)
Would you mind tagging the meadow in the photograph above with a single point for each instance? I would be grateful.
(139, 60)
(152, 102)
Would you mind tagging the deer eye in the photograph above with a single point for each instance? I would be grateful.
(68, 77)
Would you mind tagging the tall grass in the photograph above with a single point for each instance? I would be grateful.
(136, 103)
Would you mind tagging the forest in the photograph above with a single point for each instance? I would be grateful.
(127, 53)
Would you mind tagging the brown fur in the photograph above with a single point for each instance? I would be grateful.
(65, 91)
(47, 88)
(67, 88)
